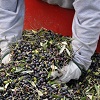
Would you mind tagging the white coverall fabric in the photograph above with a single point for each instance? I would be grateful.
(11, 22)
(86, 25)
(70, 71)
(61, 3)
(86, 28)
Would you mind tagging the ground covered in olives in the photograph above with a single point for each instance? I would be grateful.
(34, 57)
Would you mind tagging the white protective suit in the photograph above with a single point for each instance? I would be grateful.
(11, 25)
(86, 31)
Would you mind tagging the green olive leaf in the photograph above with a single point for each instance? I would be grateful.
(18, 69)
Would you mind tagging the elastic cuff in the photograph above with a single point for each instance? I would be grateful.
(81, 67)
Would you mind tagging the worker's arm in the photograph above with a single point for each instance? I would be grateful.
(86, 32)
(11, 25)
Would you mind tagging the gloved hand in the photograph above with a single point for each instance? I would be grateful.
(68, 72)
(5, 52)
(6, 59)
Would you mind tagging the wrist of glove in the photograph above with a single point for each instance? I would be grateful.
(6, 59)
(68, 72)
(5, 54)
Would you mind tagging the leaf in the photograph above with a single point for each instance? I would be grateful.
(56, 96)
(34, 31)
(13, 69)
(27, 72)
(49, 74)
(18, 69)
(53, 67)
(97, 90)
(96, 73)
(8, 81)
(64, 43)
(51, 41)
(33, 84)
(68, 52)
(54, 85)
(41, 44)
(13, 90)
(39, 92)
(62, 49)
(6, 85)
(52, 82)
(2, 89)
(90, 96)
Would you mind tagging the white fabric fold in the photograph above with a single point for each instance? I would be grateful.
(86, 30)
(11, 22)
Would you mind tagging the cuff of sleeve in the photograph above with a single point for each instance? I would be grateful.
(81, 67)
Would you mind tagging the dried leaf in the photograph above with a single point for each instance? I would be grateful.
(34, 31)
(62, 49)
(33, 84)
(41, 44)
(53, 67)
(6, 85)
(97, 87)
(13, 90)
(68, 52)
(39, 92)
(28, 72)
(2, 89)
(90, 97)
(64, 43)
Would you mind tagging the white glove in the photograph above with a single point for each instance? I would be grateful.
(5, 52)
(70, 71)
(6, 59)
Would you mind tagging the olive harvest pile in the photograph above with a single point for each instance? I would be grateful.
(27, 76)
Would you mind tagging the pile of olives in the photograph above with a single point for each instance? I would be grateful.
(27, 76)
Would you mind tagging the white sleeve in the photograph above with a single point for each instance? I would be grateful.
(86, 30)
(10, 5)
(11, 21)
